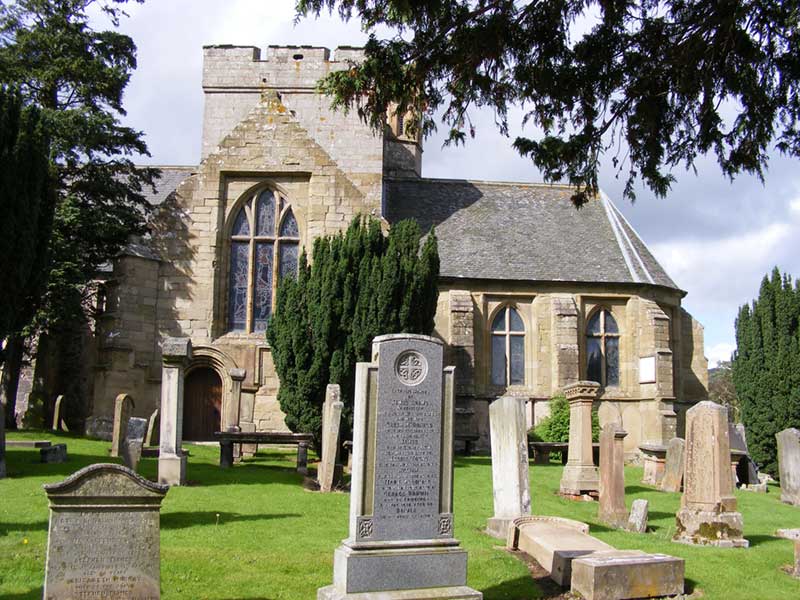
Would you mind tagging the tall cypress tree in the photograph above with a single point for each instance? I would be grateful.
(766, 365)
(360, 285)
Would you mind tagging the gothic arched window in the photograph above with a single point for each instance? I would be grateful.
(508, 348)
(602, 349)
(264, 234)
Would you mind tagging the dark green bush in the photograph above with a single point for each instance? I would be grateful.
(555, 427)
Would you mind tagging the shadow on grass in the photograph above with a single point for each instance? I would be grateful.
(638, 489)
(6, 528)
(520, 588)
(34, 594)
(758, 539)
(181, 520)
(26, 463)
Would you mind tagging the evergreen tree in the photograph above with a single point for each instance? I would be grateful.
(360, 285)
(26, 209)
(766, 365)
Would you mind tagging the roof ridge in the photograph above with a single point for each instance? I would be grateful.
(537, 184)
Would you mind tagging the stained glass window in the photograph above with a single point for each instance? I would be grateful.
(260, 255)
(508, 348)
(602, 349)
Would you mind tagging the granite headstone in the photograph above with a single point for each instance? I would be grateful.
(104, 539)
(401, 499)
(134, 441)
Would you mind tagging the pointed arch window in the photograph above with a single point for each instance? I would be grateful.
(508, 348)
(264, 237)
(602, 349)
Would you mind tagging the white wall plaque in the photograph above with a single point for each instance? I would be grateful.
(647, 369)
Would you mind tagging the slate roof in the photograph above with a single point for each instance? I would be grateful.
(171, 178)
(529, 232)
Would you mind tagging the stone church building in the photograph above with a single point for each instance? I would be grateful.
(534, 294)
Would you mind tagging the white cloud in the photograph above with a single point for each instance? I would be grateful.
(719, 353)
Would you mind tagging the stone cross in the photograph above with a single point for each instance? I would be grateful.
(104, 538)
(123, 406)
(510, 485)
(708, 513)
(133, 442)
(789, 465)
(580, 474)
(331, 419)
(176, 353)
(673, 472)
(401, 499)
(612, 510)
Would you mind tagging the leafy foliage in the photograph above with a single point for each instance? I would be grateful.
(360, 285)
(722, 390)
(27, 209)
(656, 83)
(766, 366)
(555, 426)
(76, 77)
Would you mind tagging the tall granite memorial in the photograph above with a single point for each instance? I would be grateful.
(789, 465)
(510, 485)
(708, 513)
(104, 536)
(401, 542)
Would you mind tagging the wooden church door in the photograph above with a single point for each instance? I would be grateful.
(202, 404)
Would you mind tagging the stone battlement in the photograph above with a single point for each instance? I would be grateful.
(281, 67)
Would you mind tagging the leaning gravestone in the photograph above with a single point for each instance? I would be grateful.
(331, 420)
(134, 441)
(104, 539)
(401, 541)
(673, 470)
(789, 465)
(57, 412)
(510, 485)
(123, 406)
(152, 429)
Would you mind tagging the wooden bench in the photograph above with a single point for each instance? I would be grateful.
(468, 439)
(541, 452)
(228, 438)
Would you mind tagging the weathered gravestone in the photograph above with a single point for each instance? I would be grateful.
(2, 441)
(175, 353)
(794, 535)
(103, 540)
(673, 472)
(612, 510)
(134, 441)
(53, 454)
(637, 522)
(57, 412)
(331, 419)
(708, 513)
(123, 407)
(152, 429)
(580, 474)
(789, 465)
(401, 500)
(510, 486)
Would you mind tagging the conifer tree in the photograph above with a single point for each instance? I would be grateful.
(360, 285)
(766, 365)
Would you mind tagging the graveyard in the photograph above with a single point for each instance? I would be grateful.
(255, 532)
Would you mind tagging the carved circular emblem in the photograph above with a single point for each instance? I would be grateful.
(411, 367)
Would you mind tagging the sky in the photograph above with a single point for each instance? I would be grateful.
(716, 238)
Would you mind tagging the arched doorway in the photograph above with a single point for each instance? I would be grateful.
(202, 404)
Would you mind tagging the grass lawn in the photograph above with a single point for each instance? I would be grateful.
(254, 532)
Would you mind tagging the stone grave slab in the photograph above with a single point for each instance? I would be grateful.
(28, 443)
(789, 465)
(622, 574)
(55, 454)
(104, 536)
(554, 542)
(401, 542)
(794, 535)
